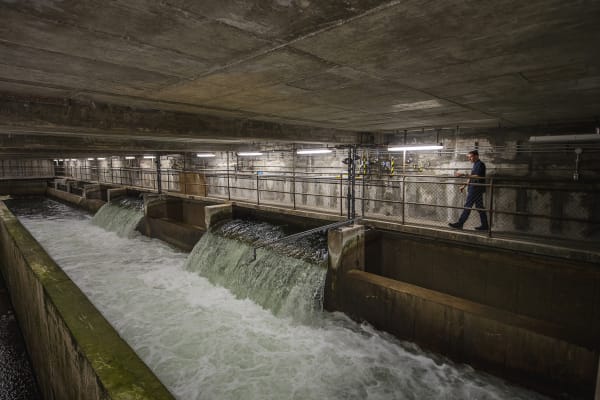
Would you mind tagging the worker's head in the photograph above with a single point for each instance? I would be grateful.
(473, 155)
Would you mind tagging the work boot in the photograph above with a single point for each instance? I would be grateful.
(455, 225)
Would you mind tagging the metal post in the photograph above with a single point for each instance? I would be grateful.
(351, 210)
(257, 190)
(228, 187)
(403, 199)
(362, 197)
(491, 209)
(158, 176)
(294, 175)
(341, 194)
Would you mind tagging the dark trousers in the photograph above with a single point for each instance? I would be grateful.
(474, 196)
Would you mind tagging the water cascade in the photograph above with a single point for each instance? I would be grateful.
(204, 342)
(120, 216)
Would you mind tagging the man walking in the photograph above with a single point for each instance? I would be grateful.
(475, 190)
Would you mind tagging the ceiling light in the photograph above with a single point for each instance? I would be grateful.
(313, 151)
(415, 148)
(590, 137)
(149, 157)
(90, 159)
(129, 157)
(55, 160)
(100, 158)
(205, 155)
(249, 154)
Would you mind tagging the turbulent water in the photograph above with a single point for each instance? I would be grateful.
(203, 342)
(121, 216)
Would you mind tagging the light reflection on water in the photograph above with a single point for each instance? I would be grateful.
(204, 343)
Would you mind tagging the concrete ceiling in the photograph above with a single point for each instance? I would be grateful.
(198, 72)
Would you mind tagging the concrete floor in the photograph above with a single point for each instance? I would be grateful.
(16, 377)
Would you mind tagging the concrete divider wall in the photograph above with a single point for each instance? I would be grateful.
(553, 356)
(91, 205)
(558, 290)
(500, 342)
(75, 352)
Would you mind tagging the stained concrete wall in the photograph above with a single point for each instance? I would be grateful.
(23, 187)
(517, 315)
(75, 352)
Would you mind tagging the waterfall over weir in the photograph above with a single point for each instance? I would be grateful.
(121, 216)
(284, 285)
(203, 342)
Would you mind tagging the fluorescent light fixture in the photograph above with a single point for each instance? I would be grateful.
(129, 157)
(149, 157)
(90, 159)
(415, 148)
(590, 137)
(250, 154)
(205, 155)
(100, 158)
(60, 159)
(55, 160)
(73, 159)
(313, 151)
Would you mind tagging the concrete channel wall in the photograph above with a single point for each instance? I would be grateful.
(525, 317)
(75, 352)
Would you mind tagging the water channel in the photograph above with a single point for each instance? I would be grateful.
(210, 328)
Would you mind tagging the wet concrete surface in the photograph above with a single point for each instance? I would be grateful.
(17, 381)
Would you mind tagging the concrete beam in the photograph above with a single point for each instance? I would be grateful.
(65, 117)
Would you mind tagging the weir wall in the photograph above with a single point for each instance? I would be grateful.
(75, 352)
(530, 318)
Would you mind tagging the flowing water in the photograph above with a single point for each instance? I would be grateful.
(208, 342)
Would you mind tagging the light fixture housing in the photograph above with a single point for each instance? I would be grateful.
(205, 155)
(90, 159)
(313, 151)
(100, 158)
(149, 157)
(129, 157)
(589, 137)
(416, 148)
(250, 154)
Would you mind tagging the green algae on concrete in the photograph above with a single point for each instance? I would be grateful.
(76, 353)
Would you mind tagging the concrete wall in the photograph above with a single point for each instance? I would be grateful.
(180, 222)
(75, 352)
(23, 187)
(526, 317)
(558, 290)
(91, 205)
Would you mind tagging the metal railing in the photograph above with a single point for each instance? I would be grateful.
(566, 211)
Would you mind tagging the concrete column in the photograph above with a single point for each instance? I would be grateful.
(597, 395)
(346, 252)
(214, 214)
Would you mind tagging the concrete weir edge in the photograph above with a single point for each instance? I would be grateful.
(75, 352)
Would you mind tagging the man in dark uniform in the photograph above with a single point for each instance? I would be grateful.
(475, 193)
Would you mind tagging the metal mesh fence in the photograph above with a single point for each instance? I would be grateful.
(435, 201)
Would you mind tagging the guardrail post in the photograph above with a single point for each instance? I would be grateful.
(403, 199)
(491, 208)
(341, 194)
(257, 190)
